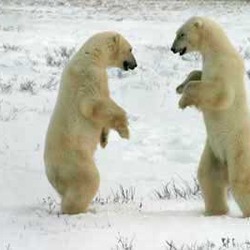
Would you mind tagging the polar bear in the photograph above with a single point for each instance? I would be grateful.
(83, 114)
(219, 92)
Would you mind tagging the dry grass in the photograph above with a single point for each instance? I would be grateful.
(225, 243)
(182, 190)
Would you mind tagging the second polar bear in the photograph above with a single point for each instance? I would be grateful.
(219, 92)
(82, 117)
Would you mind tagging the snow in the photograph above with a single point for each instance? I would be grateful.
(165, 145)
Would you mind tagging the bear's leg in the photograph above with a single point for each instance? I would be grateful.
(81, 190)
(213, 179)
(239, 177)
(216, 95)
(106, 111)
(194, 75)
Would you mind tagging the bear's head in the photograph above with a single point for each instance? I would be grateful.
(188, 37)
(121, 53)
(111, 50)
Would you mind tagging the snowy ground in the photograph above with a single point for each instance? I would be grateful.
(165, 146)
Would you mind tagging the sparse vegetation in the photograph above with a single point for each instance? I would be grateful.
(28, 86)
(8, 247)
(170, 245)
(184, 190)
(122, 195)
(7, 112)
(171, 190)
(225, 243)
(58, 57)
(50, 85)
(124, 243)
(5, 87)
(10, 28)
(11, 47)
(50, 204)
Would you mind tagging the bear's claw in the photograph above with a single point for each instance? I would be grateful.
(123, 132)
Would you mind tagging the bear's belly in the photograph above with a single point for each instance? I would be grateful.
(218, 146)
(219, 134)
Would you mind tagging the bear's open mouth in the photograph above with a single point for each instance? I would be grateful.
(183, 51)
(125, 65)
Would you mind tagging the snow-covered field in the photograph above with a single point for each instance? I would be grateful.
(148, 197)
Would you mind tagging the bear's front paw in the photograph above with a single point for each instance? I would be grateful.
(123, 132)
(185, 101)
(121, 125)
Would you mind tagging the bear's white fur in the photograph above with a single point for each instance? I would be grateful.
(219, 92)
(82, 117)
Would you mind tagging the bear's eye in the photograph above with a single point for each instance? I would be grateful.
(130, 50)
(181, 35)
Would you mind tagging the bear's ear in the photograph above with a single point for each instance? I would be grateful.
(198, 23)
(116, 38)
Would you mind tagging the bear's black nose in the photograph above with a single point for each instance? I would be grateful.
(134, 66)
(173, 50)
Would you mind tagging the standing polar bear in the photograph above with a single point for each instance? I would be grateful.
(82, 117)
(219, 92)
